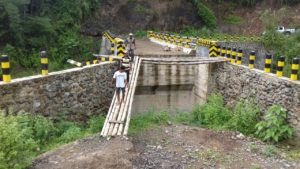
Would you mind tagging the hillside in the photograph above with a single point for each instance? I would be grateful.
(232, 17)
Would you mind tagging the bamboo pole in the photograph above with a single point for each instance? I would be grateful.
(108, 115)
(124, 106)
(131, 94)
(114, 117)
(130, 108)
(106, 131)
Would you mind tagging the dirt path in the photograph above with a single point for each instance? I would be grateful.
(167, 147)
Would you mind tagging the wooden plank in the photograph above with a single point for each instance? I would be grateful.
(113, 121)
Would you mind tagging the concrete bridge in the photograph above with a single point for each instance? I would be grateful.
(160, 83)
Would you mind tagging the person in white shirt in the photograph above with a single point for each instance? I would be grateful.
(120, 77)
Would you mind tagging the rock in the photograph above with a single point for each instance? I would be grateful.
(240, 136)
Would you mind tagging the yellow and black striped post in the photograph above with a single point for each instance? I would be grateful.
(44, 63)
(228, 53)
(252, 59)
(5, 65)
(268, 62)
(218, 50)
(88, 63)
(239, 57)
(280, 65)
(112, 48)
(213, 51)
(295, 68)
(223, 53)
(120, 48)
(233, 55)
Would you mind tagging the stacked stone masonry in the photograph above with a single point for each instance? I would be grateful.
(238, 82)
(74, 94)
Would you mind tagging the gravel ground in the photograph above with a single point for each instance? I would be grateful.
(167, 147)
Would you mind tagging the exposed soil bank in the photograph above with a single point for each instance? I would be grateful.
(174, 146)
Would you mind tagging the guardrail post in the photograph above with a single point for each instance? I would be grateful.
(112, 48)
(44, 63)
(228, 53)
(218, 50)
(223, 53)
(213, 49)
(5, 65)
(268, 62)
(233, 55)
(295, 68)
(120, 48)
(280, 65)
(239, 57)
(252, 59)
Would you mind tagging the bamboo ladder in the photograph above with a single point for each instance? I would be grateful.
(118, 117)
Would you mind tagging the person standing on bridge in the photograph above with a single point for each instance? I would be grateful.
(130, 46)
(120, 78)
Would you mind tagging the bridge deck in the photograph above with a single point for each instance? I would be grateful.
(146, 47)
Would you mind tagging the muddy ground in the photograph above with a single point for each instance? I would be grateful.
(167, 147)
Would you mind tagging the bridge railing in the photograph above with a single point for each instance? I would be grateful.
(117, 53)
(233, 54)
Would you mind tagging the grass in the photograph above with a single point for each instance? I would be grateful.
(269, 151)
(147, 120)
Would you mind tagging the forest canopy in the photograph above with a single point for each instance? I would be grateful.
(27, 26)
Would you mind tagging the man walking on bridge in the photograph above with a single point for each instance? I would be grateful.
(120, 77)
(130, 46)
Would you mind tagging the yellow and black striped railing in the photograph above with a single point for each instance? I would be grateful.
(5, 65)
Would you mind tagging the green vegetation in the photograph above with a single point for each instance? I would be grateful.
(243, 117)
(269, 151)
(206, 14)
(251, 3)
(147, 120)
(274, 127)
(213, 114)
(140, 33)
(28, 26)
(278, 43)
(233, 20)
(23, 137)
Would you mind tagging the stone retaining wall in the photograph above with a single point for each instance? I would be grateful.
(74, 94)
(238, 82)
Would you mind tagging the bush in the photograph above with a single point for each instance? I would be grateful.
(233, 20)
(206, 14)
(95, 124)
(17, 148)
(42, 129)
(23, 137)
(140, 33)
(274, 127)
(244, 117)
(71, 134)
(212, 114)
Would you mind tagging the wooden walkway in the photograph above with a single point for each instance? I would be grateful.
(118, 117)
